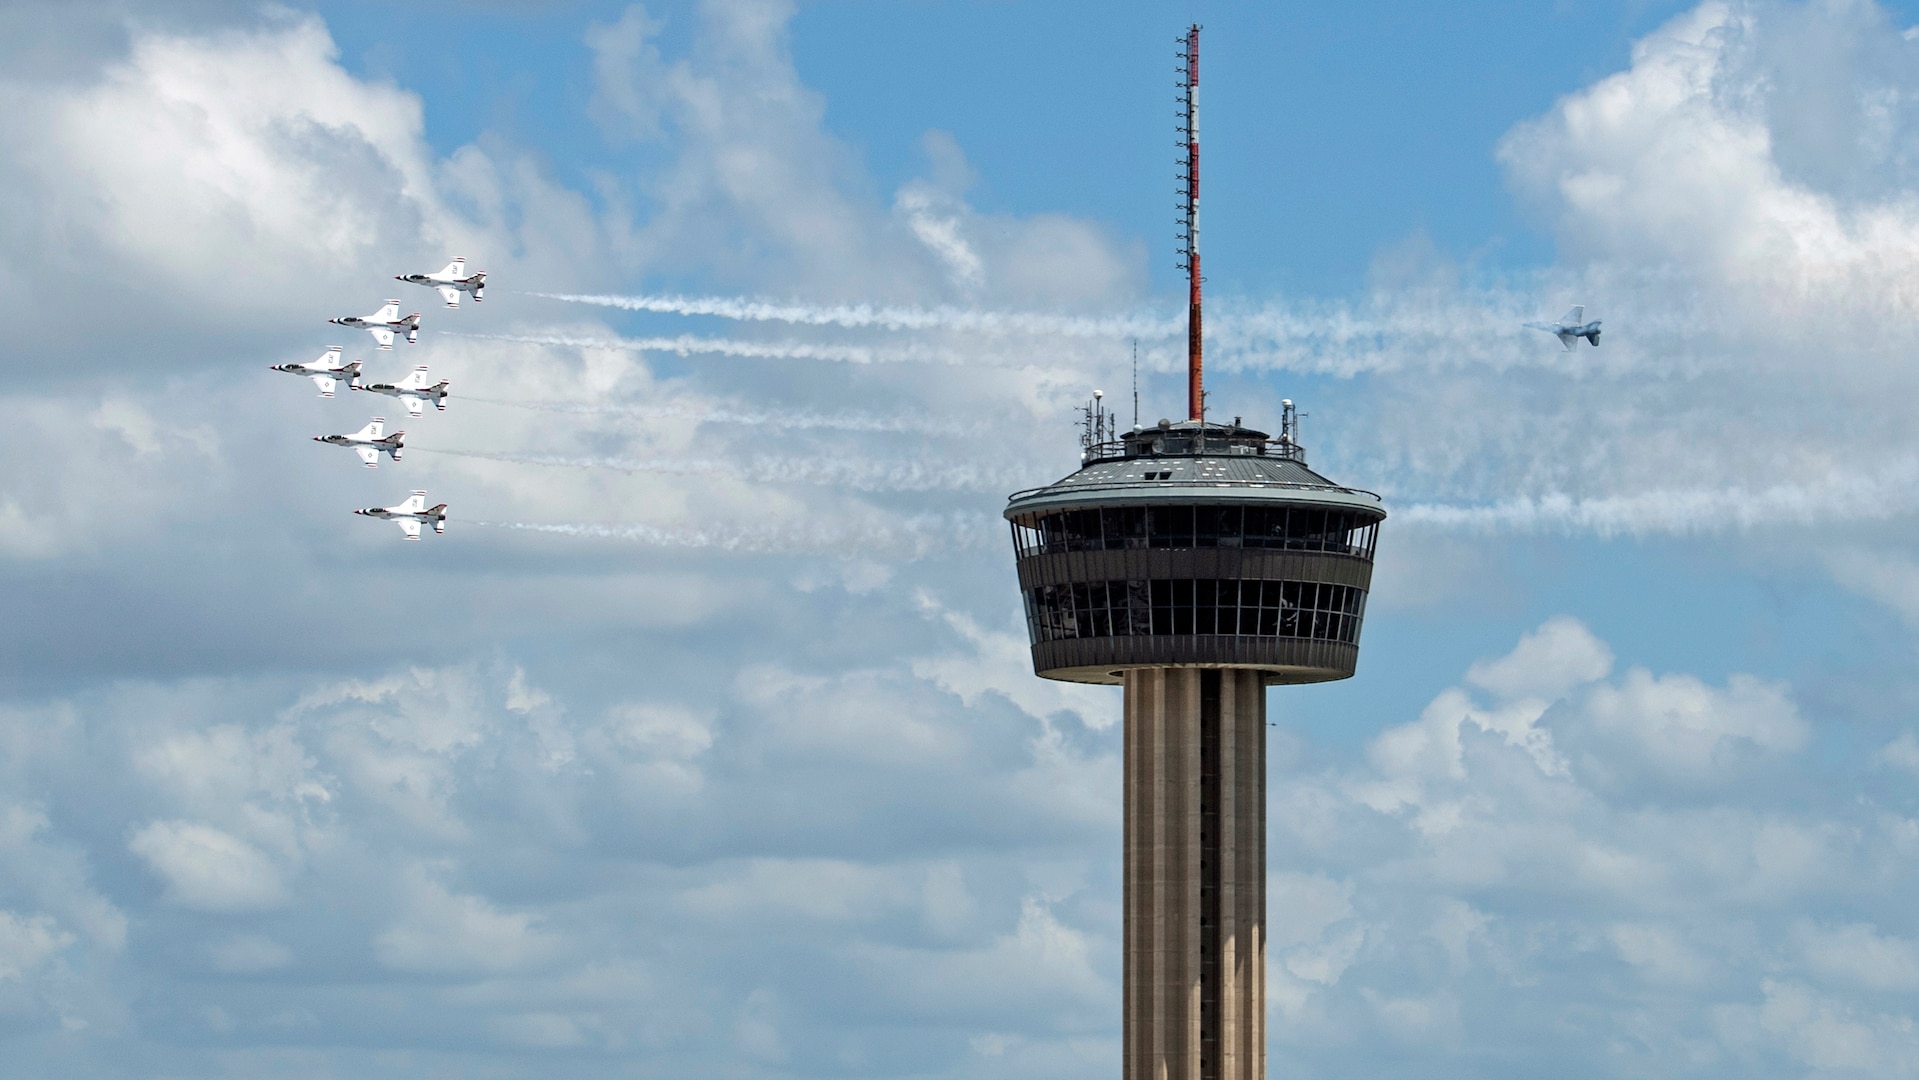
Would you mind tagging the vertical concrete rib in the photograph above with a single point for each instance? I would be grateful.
(1195, 867)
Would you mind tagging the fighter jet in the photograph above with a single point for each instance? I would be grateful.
(451, 282)
(413, 391)
(326, 371)
(1571, 328)
(384, 323)
(411, 514)
(370, 442)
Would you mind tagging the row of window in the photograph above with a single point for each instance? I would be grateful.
(1283, 609)
(1118, 528)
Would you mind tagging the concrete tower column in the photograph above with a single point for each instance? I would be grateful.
(1195, 870)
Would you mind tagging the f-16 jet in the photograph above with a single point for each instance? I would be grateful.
(451, 282)
(411, 514)
(326, 371)
(384, 323)
(413, 391)
(1570, 328)
(370, 442)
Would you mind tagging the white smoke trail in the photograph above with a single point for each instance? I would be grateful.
(1465, 328)
(907, 475)
(1891, 493)
(689, 345)
(796, 419)
(868, 316)
(906, 538)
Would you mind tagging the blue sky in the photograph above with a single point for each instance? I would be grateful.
(704, 743)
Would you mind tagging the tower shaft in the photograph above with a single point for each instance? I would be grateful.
(1195, 874)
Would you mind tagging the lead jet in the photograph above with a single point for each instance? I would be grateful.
(410, 515)
(451, 282)
(413, 391)
(370, 442)
(384, 323)
(1570, 328)
(326, 371)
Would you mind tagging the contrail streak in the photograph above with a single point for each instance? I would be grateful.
(824, 472)
(1888, 494)
(689, 345)
(868, 316)
(797, 419)
(909, 538)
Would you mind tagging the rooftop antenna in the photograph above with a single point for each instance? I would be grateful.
(1189, 224)
(1096, 427)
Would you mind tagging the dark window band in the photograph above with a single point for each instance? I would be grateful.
(1275, 609)
(1118, 528)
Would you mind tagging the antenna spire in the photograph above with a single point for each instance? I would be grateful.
(1189, 256)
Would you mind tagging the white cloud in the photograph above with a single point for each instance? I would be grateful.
(1858, 955)
(440, 931)
(1548, 662)
(27, 943)
(1681, 729)
(207, 869)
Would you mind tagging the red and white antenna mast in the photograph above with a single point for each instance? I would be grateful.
(1189, 223)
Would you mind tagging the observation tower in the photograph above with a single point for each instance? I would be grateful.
(1194, 564)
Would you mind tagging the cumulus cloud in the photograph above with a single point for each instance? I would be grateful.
(519, 788)
(207, 869)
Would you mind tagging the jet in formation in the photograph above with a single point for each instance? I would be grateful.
(451, 282)
(1570, 328)
(370, 442)
(384, 323)
(413, 391)
(326, 372)
(411, 514)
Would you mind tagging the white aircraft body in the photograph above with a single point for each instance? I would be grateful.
(326, 372)
(1570, 328)
(411, 514)
(384, 323)
(451, 282)
(370, 442)
(413, 391)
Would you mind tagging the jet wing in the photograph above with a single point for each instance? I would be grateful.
(414, 406)
(410, 527)
(369, 455)
(383, 335)
(1566, 340)
(326, 384)
(1576, 316)
(450, 294)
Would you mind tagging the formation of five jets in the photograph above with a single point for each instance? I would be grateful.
(414, 391)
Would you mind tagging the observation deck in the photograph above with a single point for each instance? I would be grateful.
(1195, 545)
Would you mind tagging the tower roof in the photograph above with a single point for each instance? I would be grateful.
(1160, 465)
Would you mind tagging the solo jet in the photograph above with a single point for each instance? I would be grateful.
(413, 391)
(384, 323)
(451, 282)
(326, 371)
(1570, 328)
(370, 442)
(411, 514)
